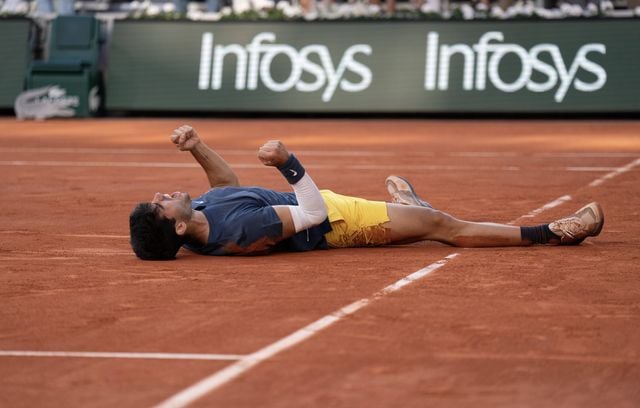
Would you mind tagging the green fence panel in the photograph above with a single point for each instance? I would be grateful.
(396, 67)
(15, 54)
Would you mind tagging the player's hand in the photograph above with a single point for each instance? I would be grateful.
(273, 153)
(185, 138)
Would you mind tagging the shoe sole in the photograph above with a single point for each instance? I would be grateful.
(397, 183)
(599, 215)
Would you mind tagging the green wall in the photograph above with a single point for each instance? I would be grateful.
(465, 66)
(15, 54)
(585, 66)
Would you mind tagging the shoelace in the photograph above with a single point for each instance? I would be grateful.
(571, 226)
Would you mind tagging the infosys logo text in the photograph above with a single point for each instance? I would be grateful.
(482, 61)
(254, 63)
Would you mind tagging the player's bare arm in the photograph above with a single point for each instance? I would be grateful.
(218, 171)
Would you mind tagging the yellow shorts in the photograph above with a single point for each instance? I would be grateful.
(355, 222)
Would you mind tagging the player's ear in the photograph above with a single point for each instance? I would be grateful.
(181, 228)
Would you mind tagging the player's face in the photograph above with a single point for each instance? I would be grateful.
(175, 206)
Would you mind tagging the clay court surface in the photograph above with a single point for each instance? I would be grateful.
(516, 327)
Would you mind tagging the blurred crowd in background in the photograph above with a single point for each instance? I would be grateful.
(213, 10)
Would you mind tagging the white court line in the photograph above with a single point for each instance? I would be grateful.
(225, 375)
(219, 378)
(224, 152)
(591, 169)
(364, 153)
(82, 150)
(100, 354)
(537, 357)
(547, 206)
(39, 258)
(94, 236)
(484, 154)
(615, 173)
(432, 167)
(588, 154)
(425, 167)
(18, 232)
(406, 167)
(69, 163)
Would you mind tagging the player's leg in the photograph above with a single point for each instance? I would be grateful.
(411, 223)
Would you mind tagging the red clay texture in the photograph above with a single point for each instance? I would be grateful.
(498, 327)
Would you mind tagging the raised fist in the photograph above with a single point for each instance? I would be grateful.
(273, 153)
(185, 138)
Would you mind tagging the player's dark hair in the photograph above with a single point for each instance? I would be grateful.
(153, 237)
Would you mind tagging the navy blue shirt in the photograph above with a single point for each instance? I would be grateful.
(242, 222)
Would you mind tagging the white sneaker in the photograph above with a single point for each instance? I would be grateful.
(402, 192)
(586, 222)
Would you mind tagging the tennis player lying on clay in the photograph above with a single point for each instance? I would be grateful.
(230, 219)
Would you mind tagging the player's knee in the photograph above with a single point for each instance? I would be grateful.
(443, 227)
